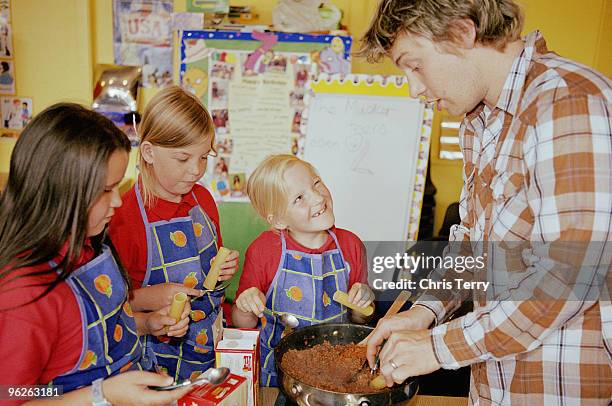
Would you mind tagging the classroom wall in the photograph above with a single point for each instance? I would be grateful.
(604, 50)
(574, 29)
(59, 42)
(52, 42)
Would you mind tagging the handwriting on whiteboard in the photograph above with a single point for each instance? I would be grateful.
(356, 130)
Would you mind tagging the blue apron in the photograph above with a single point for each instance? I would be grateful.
(110, 339)
(180, 251)
(303, 286)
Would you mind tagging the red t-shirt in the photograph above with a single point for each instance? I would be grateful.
(41, 340)
(127, 230)
(263, 255)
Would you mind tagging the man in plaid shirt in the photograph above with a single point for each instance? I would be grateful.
(537, 148)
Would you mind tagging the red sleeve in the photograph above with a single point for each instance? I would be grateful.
(128, 235)
(260, 263)
(41, 340)
(207, 201)
(355, 254)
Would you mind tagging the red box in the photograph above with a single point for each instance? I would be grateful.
(239, 351)
(232, 392)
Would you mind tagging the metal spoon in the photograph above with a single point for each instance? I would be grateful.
(213, 376)
(219, 286)
(288, 320)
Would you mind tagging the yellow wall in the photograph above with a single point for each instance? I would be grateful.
(59, 42)
(604, 49)
(52, 42)
(572, 28)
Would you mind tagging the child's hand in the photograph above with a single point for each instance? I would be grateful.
(132, 388)
(252, 301)
(155, 297)
(360, 295)
(159, 323)
(230, 266)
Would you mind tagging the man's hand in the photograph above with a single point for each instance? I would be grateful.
(416, 318)
(405, 354)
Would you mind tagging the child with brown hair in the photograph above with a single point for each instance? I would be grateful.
(64, 317)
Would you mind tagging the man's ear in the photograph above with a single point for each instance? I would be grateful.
(465, 33)
(276, 222)
(146, 150)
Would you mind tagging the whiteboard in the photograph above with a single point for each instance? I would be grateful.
(366, 149)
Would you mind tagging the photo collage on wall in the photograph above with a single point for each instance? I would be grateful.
(16, 111)
(143, 37)
(253, 85)
(7, 67)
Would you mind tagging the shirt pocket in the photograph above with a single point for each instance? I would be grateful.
(506, 185)
(511, 217)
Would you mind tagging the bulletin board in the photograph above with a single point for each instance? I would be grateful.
(217, 61)
(253, 83)
(370, 142)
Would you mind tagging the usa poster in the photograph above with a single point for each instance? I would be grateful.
(143, 37)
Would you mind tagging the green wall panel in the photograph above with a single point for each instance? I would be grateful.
(240, 225)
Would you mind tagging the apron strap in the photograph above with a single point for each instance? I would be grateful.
(283, 243)
(141, 205)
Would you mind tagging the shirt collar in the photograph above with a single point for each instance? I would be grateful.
(165, 209)
(87, 253)
(512, 90)
(328, 244)
(515, 81)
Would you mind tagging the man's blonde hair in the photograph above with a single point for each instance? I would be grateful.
(497, 22)
(174, 118)
(267, 187)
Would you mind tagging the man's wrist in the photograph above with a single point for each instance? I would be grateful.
(424, 314)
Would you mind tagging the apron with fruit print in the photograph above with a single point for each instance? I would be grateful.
(303, 286)
(110, 339)
(180, 251)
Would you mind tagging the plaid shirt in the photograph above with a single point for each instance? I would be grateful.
(537, 168)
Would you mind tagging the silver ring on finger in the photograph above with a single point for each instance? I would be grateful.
(393, 365)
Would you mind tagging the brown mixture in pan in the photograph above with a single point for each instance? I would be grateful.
(330, 367)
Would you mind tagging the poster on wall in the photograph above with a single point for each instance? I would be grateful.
(6, 40)
(7, 77)
(253, 85)
(16, 112)
(143, 37)
(5, 10)
(7, 64)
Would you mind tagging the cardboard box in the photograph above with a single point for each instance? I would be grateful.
(232, 392)
(239, 351)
